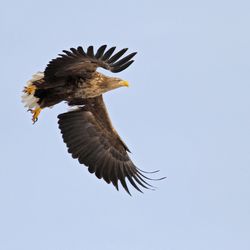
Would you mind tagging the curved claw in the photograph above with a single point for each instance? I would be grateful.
(35, 113)
(34, 120)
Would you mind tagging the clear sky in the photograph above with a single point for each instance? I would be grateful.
(186, 113)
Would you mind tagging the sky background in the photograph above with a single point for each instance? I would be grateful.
(186, 114)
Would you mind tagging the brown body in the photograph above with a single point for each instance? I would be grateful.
(71, 89)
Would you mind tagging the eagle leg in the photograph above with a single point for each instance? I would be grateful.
(35, 113)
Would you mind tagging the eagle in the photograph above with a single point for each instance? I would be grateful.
(87, 130)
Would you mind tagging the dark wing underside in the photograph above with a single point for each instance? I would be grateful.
(90, 138)
(78, 63)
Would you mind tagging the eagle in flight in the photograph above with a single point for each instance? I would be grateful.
(87, 130)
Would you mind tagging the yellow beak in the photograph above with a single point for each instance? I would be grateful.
(124, 83)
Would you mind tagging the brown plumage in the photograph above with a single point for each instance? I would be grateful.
(87, 131)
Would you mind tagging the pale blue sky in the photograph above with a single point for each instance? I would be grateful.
(186, 113)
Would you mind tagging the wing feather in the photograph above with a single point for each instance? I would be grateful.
(100, 51)
(90, 51)
(108, 53)
(116, 56)
(90, 137)
(78, 63)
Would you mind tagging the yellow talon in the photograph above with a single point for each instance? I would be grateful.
(30, 89)
(35, 113)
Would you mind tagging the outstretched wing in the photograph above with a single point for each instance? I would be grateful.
(90, 137)
(78, 63)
